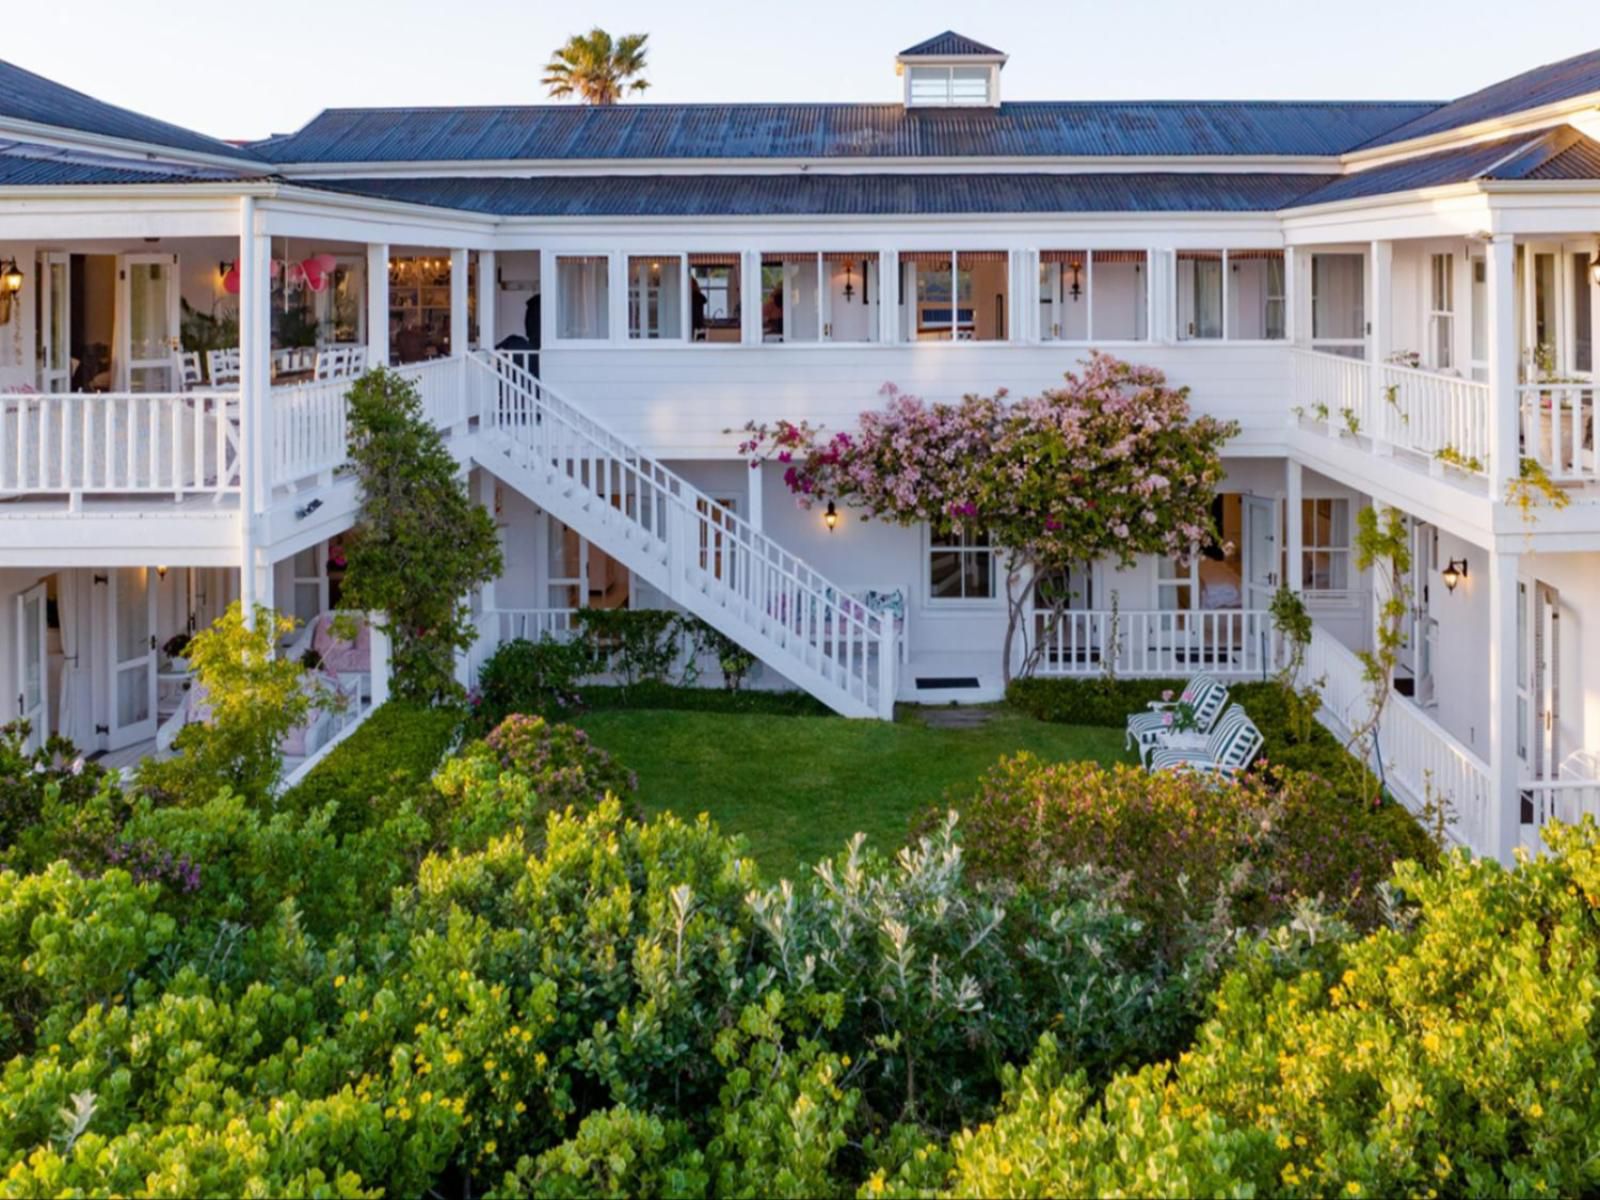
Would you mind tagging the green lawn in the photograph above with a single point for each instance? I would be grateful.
(798, 787)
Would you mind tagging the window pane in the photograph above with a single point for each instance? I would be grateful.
(850, 302)
(1480, 310)
(978, 574)
(925, 290)
(930, 85)
(655, 297)
(1199, 294)
(944, 574)
(1544, 300)
(583, 291)
(984, 279)
(789, 298)
(969, 85)
(1255, 295)
(1063, 295)
(1338, 304)
(1121, 299)
(1582, 330)
(714, 297)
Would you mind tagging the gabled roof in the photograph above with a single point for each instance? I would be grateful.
(30, 164)
(25, 96)
(1549, 84)
(805, 194)
(950, 44)
(1559, 153)
(836, 131)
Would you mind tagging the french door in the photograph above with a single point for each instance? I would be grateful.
(1544, 685)
(147, 322)
(33, 659)
(55, 335)
(1261, 550)
(132, 709)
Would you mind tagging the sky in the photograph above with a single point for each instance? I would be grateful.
(238, 70)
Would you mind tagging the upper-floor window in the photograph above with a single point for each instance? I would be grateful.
(810, 297)
(963, 296)
(1441, 311)
(949, 86)
(1325, 544)
(655, 297)
(1236, 295)
(1100, 295)
(1338, 304)
(583, 297)
(714, 297)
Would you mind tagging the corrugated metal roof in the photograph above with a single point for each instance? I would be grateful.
(25, 96)
(1564, 80)
(835, 131)
(1560, 153)
(947, 43)
(29, 164)
(841, 195)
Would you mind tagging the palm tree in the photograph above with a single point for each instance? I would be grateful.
(595, 69)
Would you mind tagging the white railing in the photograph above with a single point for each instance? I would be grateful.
(712, 562)
(1426, 412)
(1327, 386)
(310, 429)
(1419, 760)
(119, 443)
(1234, 642)
(1558, 429)
(1546, 800)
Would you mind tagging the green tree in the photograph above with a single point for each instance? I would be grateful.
(247, 699)
(420, 544)
(597, 69)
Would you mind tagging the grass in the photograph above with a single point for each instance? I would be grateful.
(797, 787)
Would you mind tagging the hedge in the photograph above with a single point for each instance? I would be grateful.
(396, 750)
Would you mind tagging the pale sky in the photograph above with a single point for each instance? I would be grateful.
(239, 70)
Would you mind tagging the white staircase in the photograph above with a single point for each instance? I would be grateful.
(683, 543)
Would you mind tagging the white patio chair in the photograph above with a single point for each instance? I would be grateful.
(186, 370)
(222, 366)
(1204, 693)
(1233, 744)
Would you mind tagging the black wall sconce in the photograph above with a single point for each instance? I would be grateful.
(1076, 290)
(1455, 571)
(831, 517)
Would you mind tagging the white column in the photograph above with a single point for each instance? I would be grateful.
(1294, 531)
(380, 659)
(488, 299)
(888, 296)
(1380, 322)
(756, 514)
(378, 304)
(1505, 815)
(1291, 295)
(1505, 459)
(459, 342)
(255, 382)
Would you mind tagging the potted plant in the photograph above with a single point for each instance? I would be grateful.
(174, 648)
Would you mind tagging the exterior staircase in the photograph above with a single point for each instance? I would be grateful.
(695, 551)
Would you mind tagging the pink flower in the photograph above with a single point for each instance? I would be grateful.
(1167, 695)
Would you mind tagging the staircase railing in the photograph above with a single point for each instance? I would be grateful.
(705, 547)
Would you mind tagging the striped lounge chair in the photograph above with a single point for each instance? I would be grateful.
(1232, 745)
(1204, 692)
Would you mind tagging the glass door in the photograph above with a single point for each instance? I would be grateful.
(55, 308)
(1338, 304)
(133, 658)
(33, 676)
(147, 321)
(1545, 686)
(1261, 546)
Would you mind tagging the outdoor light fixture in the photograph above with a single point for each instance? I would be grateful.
(10, 285)
(849, 283)
(1455, 572)
(831, 517)
(161, 572)
(1075, 291)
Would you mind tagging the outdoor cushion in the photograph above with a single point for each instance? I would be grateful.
(1232, 745)
(1205, 692)
(339, 656)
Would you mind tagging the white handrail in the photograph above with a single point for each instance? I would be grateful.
(1425, 412)
(1160, 642)
(1558, 428)
(705, 546)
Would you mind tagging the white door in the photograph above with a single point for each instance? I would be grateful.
(1545, 683)
(133, 657)
(33, 675)
(1261, 550)
(55, 308)
(147, 322)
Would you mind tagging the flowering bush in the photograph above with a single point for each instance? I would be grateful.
(1111, 465)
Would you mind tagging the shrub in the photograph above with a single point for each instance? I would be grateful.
(1452, 1054)
(389, 759)
(639, 644)
(530, 677)
(54, 804)
(1200, 850)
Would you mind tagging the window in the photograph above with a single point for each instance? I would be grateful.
(1480, 320)
(1338, 304)
(1582, 330)
(1232, 294)
(308, 582)
(960, 567)
(1441, 311)
(829, 297)
(655, 297)
(1325, 545)
(948, 86)
(963, 296)
(1093, 295)
(714, 297)
(583, 291)
(1175, 583)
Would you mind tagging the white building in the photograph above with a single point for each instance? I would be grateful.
(1396, 301)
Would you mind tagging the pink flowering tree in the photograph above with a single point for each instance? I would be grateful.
(1110, 465)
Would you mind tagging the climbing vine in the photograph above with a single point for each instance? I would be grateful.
(1384, 543)
(1301, 702)
(1532, 489)
(420, 545)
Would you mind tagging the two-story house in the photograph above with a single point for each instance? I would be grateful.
(1398, 303)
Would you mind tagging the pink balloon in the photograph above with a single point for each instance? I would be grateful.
(230, 281)
(277, 268)
(316, 279)
(325, 262)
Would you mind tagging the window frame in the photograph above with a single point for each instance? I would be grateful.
(681, 257)
(1226, 299)
(905, 256)
(931, 546)
(818, 261)
(948, 96)
(1441, 316)
(1060, 293)
(1332, 550)
(608, 258)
